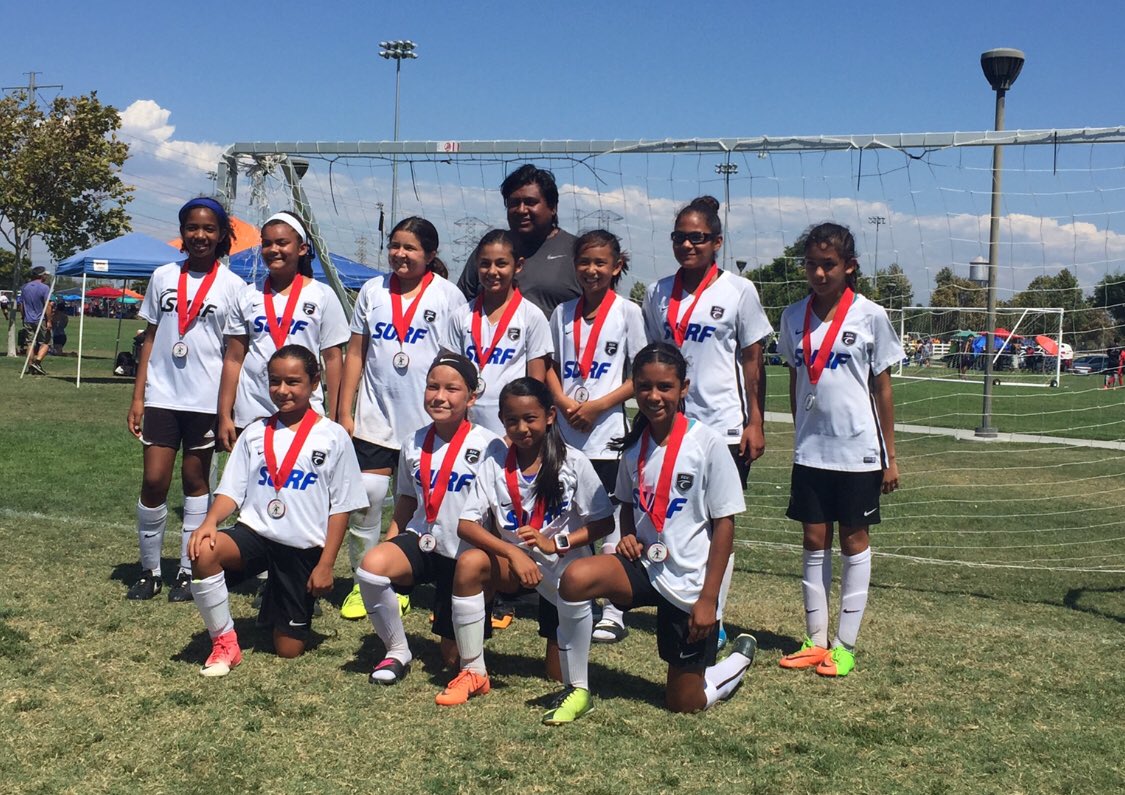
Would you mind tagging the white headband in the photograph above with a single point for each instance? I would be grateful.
(290, 220)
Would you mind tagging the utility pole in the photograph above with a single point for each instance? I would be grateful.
(878, 220)
(30, 88)
(725, 170)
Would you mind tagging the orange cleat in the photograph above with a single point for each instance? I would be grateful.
(463, 687)
(808, 656)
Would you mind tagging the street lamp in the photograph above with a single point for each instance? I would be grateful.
(1001, 68)
(397, 51)
(878, 220)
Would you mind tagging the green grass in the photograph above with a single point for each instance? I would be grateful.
(969, 678)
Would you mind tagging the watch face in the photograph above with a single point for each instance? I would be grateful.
(562, 542)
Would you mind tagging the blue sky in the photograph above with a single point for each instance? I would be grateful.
(215, 72)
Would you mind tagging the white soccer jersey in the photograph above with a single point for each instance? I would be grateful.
(191, 382)
(527, 337)
(728, 318)
(325, 480)
(390, 404)
(621, 337)
(705, 486)
(466, 468)
(584, 501)
(318, 323)
(841, 430)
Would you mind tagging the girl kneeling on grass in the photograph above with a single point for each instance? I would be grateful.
(548, 505)
(840, 347)
(436, 470)
(294, 479)
(679, 490)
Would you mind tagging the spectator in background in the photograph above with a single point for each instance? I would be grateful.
(35, 308)
(548, 277)
(4, 303)
(59, 319)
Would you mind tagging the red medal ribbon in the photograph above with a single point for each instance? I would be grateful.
(587, 359)
(432, 499)
(511, 475)
(656, 505)
(280, 475)
(402, 322)
(816, 367)
(279, 328)
(186, 314)
(505, 319)
(679, 326)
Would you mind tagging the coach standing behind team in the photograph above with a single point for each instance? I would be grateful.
(548, 278)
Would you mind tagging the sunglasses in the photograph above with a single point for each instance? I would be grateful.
(695, 238)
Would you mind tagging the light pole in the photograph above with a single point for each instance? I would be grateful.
(396, 50)
(725, 170)
(878, 220)
(1001, 68)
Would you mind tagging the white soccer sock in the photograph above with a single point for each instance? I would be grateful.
(150, 533)
(468, 630)
(611, 612)
(381, 602)
(195, 511)
(855, 576)
(575, 622)
(720, 680)
(363, 535)
(815, 582)
(724, 587)
(213, 603)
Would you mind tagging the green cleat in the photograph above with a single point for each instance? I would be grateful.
(838, 662)
(575, 703)
(353, 608)
(403, 604)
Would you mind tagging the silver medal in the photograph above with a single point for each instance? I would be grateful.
(401, 361)
(275, 508)
(480, 387)
(180, 349)
(810, 401)
(581, 394)
(657, 552)
(427, 542)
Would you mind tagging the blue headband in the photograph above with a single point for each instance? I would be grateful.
(210, 204)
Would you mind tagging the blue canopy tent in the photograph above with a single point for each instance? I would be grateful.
(131, 256)
(250, 267)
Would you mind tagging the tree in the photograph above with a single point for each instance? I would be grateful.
(781, 282)
(1084, 325)
(59, 176)
(1109, 294)
(637, 292)
(894, 290)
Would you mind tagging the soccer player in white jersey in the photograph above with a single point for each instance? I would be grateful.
(504, 335)
(289, 307)
(398, 328)
(294, 479)
(839, 347)
(716, 320)
(679, 495)
(595, 338)
(176, 392)
(545, 506)
(436, 471)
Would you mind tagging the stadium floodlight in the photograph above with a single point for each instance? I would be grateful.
(396, 50)
(1001, 68)
(877, 220)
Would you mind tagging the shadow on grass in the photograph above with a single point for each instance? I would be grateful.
(1074, 594)
(251, 637)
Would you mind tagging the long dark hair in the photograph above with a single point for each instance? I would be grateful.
(426, 233)
(838, 237)
(304, 264)
(659, 353)
(548, 483)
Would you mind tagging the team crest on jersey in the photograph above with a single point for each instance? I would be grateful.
(513, 334)
(684, 480)
(848, 337)
(610, 348)
(308, 308)
(429, 315)
(472, 455)
(717, 312)
(319, 457)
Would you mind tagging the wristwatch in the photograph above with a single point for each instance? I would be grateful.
(562, 543)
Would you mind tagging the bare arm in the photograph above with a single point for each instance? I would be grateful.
(320, 580)
(353, 372)
(753, 442)
(519, 561)
(228, 388)
(793, 393)
(333, 370)
(137, 407)
(885, 405)
(537, 368)
(705, 611)
(404, 509)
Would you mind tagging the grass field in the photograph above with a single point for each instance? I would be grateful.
(998, 671)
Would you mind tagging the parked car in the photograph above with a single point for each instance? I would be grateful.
(1090, 365)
